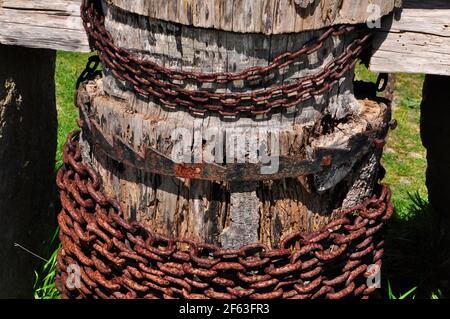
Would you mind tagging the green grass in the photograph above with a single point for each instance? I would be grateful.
(44, 288)
(409, 293)
(68, 68)
(44, 285)
(416, 252)
(405, 156)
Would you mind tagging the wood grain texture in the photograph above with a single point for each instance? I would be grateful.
(50, 24)
(259, 16)
(415, 43)
(229, 214)
(28, 133)
(417, 40)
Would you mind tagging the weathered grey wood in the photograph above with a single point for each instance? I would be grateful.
(50, 24)
(435, 128)
(417, 42)
(27, 150)
(262, 16)
(217, 212)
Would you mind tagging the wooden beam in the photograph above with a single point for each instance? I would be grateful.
(49, 24)
(415, 40)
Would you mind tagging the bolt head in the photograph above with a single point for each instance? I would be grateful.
(327, 160)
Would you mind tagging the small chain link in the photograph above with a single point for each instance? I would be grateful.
(122, 259)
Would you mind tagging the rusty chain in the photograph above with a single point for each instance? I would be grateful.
(167, 87)
(123, 259)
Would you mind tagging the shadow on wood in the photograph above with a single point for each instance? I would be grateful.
(27, 153)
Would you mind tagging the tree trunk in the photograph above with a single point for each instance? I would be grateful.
(435, 130)
(27, 157)
(231, 214)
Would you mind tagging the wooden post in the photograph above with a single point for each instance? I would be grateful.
(414, 39)
(27, 153)
(435, 131)
(233, 36)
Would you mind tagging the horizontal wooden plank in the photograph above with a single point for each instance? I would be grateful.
(49, 24)
(417, 40)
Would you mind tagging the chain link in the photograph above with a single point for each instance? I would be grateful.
(165, 85)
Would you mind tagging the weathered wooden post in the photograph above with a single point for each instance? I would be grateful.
(27, 159)
(30, 33)
(218, 125)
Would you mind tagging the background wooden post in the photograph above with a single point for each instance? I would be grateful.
(435, 126)
(27, 153)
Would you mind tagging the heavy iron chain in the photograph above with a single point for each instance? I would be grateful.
(90, 71)
(123, 259)
(166, 85)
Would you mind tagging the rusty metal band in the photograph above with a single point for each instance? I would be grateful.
(120, 259)
(319, 160)
(167, 86)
